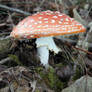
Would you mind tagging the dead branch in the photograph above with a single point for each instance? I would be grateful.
(14, 10)
(69, 41)
(2, 24)
(83, 50)
(5, 60)
(4, 38)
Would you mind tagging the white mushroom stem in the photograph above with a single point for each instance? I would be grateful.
(44, 44)
(43, 54)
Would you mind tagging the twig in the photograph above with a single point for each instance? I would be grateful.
(68, 43)
(41, 3)
(88, 12)
(56, 5)
(82, 50)
(11, 87)
(4, 38)
(10, 19)
(5, 60)
(15, 10)
(3, 24)
(6, 33)
(33, 85)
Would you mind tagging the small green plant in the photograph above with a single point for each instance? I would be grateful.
(15, 58)
(51, 79)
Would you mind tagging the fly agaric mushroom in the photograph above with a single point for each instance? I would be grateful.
(43, 26)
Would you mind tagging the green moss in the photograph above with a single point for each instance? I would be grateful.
(54, 82)
(77, 74)
(4, 45)
(15, 58)
(59, 86)
(59, 65)
(50, 78)
(38, 69)
(37, 90)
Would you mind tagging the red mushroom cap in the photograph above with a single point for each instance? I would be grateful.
(47, 23)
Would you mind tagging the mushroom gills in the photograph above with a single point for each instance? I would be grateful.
(44, 44)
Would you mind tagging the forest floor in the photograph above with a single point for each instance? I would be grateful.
(20, 67)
